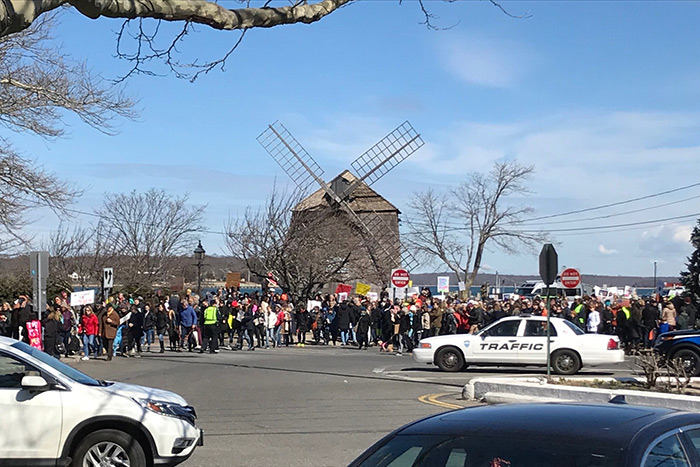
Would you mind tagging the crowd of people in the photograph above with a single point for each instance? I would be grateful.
(227, 319)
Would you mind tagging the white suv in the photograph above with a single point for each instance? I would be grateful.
(52, 414)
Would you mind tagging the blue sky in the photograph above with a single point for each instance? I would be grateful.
(602, 97)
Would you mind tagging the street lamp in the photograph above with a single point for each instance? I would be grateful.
(199, 256)
(656, 289)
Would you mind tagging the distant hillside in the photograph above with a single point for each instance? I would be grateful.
(420, 280)
(220, 265)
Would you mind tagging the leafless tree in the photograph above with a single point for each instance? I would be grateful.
(78, 250)
(38, 86)
(457, 229)
(17, 15)
(146, 232)
(304, 251)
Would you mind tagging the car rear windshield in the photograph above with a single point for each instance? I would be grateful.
(481, 451)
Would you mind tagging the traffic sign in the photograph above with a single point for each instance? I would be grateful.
(548, 264)
(107, 278)
(400, 278)
(570, 278)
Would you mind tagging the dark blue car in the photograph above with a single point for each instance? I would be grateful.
(543, 435)
(684, 345)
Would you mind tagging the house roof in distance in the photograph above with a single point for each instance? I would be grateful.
(363, 199)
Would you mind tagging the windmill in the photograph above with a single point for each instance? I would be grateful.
(371, 166)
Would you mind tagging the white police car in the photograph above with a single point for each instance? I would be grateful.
(52, 414)
(521, 341)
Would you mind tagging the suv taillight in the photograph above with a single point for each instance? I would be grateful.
(613, 344)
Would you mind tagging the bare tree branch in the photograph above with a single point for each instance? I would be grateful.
(479, 205)
(304, 251)
(38, 85)
(147, 231)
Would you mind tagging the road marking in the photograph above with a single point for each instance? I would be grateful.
(432, 399)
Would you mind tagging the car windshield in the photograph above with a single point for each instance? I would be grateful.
(57, 365)
(484, 451)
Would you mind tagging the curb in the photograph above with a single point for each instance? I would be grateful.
(501, 390)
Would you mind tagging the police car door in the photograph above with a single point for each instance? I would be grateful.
(496, 343)
(532, 347)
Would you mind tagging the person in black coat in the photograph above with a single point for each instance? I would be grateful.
(135, 324)
(363, 324)
(52, 324)
(343, 319)
(303, 322)
(160, 321)
(247, 328)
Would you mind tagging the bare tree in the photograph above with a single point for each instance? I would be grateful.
(38, 86)
(79, 251)
(456, 230)
(304, 251)
(146, 232)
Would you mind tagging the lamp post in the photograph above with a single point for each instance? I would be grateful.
(656, 289)
(199, 256)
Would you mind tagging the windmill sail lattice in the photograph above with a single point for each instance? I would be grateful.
(389, 152)
(291, 156)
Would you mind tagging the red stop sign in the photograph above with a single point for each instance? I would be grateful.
(400, 278)
(570, 278)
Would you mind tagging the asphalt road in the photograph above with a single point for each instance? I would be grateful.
(310, 406)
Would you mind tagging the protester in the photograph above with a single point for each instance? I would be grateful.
(89, 329)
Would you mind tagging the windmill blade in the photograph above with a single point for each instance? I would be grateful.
(387, 154)
(291, 156)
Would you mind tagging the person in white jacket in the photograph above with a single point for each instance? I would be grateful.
(593, 321)
(270, 322)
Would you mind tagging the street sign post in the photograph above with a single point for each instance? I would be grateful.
(549, 266)
(39, 272)
(108, 278)
(570, 278)
(400, 278)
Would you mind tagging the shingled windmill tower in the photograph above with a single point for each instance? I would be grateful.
(358, 211)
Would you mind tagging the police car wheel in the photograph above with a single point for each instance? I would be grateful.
(690, 361)
(449, 359)
(565, 362)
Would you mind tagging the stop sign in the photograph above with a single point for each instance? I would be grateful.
(400, 278)
(570, 278)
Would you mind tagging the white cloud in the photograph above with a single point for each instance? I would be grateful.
(606, 251)
(485, 62)
(682, 234)
(668, 240)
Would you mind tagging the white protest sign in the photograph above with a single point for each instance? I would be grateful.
(86, 297)
(372, 296)
(311, 304)
(342, 296)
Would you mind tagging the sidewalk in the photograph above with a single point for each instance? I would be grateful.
(502, 390)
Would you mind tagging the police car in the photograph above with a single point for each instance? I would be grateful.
(683, 345)
(521, 341)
